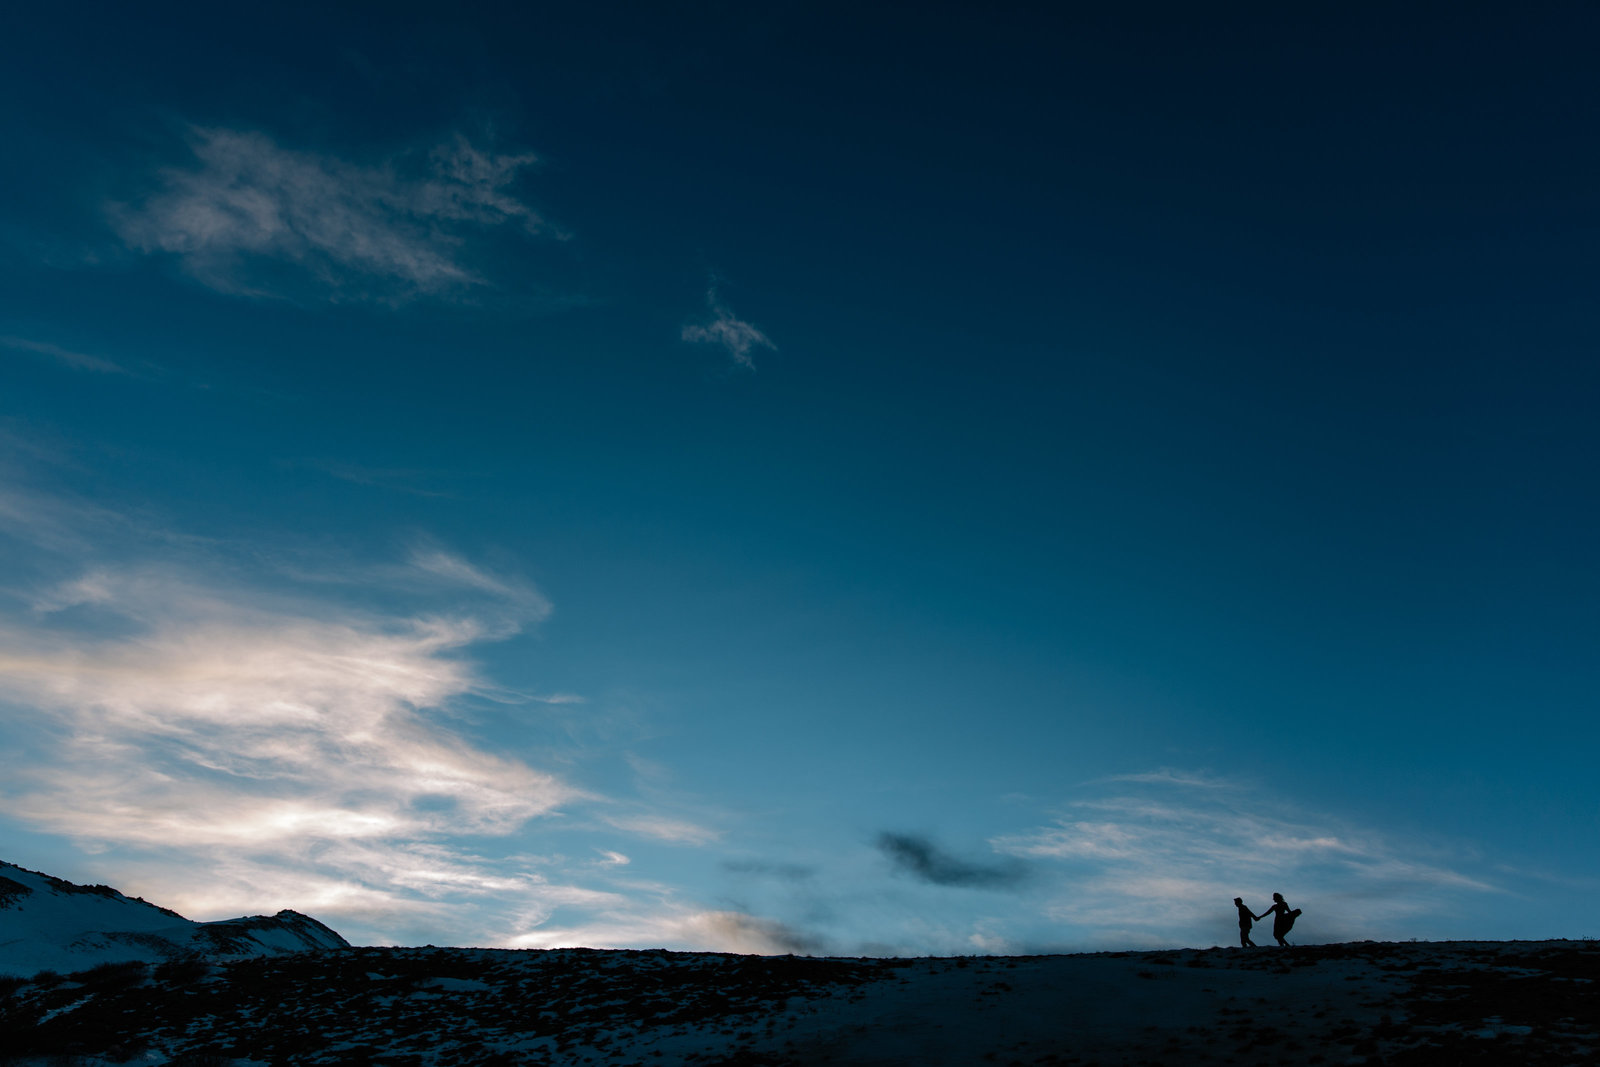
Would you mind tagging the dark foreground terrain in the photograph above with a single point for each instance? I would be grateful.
(1439, 1003)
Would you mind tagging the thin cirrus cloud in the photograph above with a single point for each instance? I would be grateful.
(70, 527)
(453, 569)
(248, 216)
(237, 741)
(410, 481)
(64, 356)
(662, 828)
(196, 718)
(1155, 858)
(732, 334)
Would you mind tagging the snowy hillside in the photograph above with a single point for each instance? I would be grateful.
(48, 923)
(1369, 1003)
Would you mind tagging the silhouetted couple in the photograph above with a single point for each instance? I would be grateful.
(1282, 922)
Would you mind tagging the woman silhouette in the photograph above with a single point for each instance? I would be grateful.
(1283, 918)
(1246, 920)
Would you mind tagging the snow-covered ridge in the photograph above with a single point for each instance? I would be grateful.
(47, 923)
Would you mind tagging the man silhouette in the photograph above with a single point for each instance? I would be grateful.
(1246, 920)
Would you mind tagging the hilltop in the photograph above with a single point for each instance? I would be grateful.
(48, 923)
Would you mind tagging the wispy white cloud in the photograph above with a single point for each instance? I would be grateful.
(1157, 860)
(736, 336)
(1171, 776)
(210, 721)
(662, 828)
(454, 569)
(236, 739)
(65, 356)
(412, 482)
(71, 525)
(251, 217)
(242, 737)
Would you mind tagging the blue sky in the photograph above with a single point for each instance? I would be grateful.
(807, 478)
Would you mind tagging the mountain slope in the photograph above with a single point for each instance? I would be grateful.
(50, 923)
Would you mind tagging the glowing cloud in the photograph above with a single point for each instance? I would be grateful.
(249, 744)
(210, 721)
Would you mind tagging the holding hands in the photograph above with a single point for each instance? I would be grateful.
(1282, 923)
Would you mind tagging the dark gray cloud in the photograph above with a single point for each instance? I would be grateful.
(922, 859)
